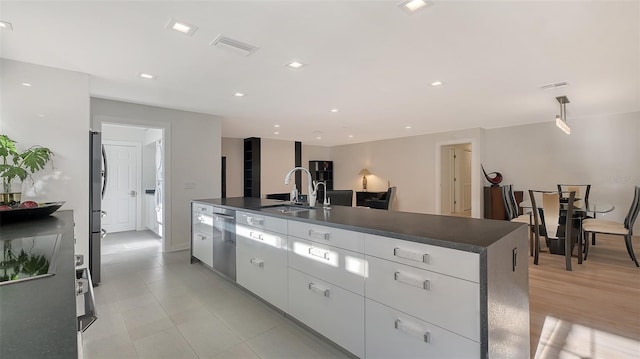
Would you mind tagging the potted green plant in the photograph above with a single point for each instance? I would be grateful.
(15, 164)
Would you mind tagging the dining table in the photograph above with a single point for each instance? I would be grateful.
(582, 209)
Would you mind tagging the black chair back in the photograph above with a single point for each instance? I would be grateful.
(340, 197)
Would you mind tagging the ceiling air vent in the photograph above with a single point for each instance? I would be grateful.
(234, 45)
(554, 85)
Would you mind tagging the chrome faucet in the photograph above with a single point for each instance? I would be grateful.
(312, 191)
(316, 184)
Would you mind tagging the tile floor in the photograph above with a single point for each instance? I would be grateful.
(158, 305)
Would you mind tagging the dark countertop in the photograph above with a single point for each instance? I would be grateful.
(38, 316)
(467, 234)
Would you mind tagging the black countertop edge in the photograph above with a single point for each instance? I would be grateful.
(466, 234)
(38, 316)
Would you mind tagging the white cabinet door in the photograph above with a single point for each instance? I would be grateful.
(336, 313)
(203, 247)
(262, 267)
(338, 266)
(394, 334)
(461, 264)
(202, 233)
(449, 302)
(350, 240)
(259, 221)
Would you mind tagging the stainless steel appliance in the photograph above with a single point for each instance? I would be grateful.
(86, 311)
(97, 187)
(224, 241)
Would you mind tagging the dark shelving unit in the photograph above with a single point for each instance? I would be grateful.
(252, 167)
(322, 171)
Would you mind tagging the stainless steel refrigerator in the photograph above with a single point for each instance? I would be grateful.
(98, 185)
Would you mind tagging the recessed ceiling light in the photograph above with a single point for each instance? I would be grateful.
(350, 136)
(238, 94)
(276, 126)
(407, 127)
(411, 6)
(26, 84)
(334, 110)
(147, 76)
(295, 64)
(318, 138)
(41, 115)
(436, 83)
(182, 27)
(276, 133)
(6, 26)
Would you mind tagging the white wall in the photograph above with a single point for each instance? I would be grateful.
(53, 112)
(277, 157)
(233, 149)
(192, 158)
(409, 163)
(603, 152)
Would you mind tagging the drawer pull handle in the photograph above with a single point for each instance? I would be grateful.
(414, 256)
(202, 237)
(257, 262)
(319, 253)
(317, 289)
(419, 283)
(256, 235)
(321, 235)
(255, 221)
(412, 330)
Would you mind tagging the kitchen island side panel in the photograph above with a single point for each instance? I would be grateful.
(508, 296)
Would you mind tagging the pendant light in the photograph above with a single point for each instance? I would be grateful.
(561, 119)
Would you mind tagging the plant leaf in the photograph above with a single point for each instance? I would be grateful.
(35, 158)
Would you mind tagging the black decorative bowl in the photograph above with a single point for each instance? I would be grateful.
(25, 214)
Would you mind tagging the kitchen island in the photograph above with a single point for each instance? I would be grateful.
(388, 284)
(38, 316)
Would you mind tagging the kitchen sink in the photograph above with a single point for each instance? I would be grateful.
(285, 208)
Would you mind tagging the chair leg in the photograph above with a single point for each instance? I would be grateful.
(567, 252)
(586, 245)
(593, 238)
(531, 240)
(536, 249)
(627, 241)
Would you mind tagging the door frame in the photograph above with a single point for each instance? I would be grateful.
(476, 181)
(138, 186)
(165, 126)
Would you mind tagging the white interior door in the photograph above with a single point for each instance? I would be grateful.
(120, 198)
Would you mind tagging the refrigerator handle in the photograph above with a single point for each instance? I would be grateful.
(104, 172)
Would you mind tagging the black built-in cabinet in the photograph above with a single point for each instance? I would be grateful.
(252, 167)
(322, 171)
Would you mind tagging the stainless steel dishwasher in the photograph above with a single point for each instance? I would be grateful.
(224, 242)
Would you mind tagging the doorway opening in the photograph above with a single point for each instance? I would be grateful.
(134, 199)
(458, 185)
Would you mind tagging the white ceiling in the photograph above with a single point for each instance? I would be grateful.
(369, 59)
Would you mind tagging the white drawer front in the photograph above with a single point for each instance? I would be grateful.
(393, 334)
(333, 312)
(202, 247)
(337, 266)
(273, 224)
(341, 238)
(449, 302)
(202, 208)
(262, 267)
(461, 264)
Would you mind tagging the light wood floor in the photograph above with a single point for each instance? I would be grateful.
(590, 312)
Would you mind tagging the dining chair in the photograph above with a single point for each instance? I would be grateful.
(513, 214)
(546, 221)
(340, 197)
(582, 194)
(615, 228)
